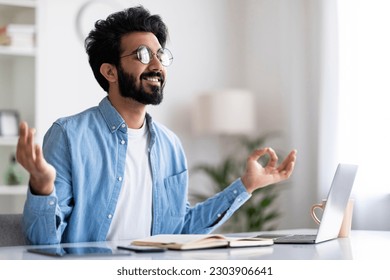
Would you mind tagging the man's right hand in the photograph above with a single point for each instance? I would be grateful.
(30, 156)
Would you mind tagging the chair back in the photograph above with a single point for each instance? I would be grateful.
(11, 232)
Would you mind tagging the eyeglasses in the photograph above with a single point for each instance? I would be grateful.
(145, 55)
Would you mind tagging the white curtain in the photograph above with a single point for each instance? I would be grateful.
(355, 103)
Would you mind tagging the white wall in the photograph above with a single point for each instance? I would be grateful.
(262, 45)
(65, 82)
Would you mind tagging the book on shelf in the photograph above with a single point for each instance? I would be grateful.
(200, 241)
(17, 35)
(4, 39)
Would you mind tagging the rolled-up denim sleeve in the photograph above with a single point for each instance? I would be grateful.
(206, 216)
(39, 219)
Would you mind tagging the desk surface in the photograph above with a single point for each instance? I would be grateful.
(371, 245)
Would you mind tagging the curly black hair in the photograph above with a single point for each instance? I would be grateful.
(103, 42)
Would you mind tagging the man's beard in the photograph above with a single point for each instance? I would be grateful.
(128, 88)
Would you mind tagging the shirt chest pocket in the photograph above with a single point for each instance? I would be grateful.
(176, 193)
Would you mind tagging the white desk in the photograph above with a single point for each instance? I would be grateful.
(370, 245)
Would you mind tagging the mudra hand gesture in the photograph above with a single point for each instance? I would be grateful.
(256, 176)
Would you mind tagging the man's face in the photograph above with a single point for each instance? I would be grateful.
(143, 83)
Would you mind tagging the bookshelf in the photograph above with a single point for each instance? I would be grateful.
(17, 91)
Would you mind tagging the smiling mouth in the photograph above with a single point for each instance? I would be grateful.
(153, 78)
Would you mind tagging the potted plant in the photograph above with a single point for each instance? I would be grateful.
(257, 214)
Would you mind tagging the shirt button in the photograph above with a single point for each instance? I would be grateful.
(51, 202)
(235, 191)
(120, 179)
(113, 127)
(123, 125)
(123, 142)
(109, 216)
(219, 215)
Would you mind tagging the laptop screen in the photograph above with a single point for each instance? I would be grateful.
(337, 200)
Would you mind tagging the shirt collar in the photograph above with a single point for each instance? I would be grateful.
(114, 120)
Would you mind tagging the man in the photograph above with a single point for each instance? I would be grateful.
(111, 172)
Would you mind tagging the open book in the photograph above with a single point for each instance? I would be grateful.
(200, 241)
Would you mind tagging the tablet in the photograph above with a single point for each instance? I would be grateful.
(60, 251)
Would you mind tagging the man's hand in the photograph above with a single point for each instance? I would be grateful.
(256, 176)
(30, 156)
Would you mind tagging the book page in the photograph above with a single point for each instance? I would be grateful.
(180, 238)
(249, 241)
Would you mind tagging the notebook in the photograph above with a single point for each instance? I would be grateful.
(333, 214)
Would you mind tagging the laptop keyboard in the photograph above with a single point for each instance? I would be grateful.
(298, 237)
(293, 238)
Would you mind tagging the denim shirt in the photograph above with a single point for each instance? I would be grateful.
(88, 151)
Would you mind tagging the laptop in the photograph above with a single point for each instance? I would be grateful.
(333, 214)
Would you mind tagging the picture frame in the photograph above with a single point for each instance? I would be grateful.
(9, 123)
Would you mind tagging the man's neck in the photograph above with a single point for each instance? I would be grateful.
(131, 111)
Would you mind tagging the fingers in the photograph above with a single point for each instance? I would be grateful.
(273, 158)
(40, 161)
(21, 145)
(257, 154)
(23, 127)
(287, 166)
(30, 143)
(25, 150)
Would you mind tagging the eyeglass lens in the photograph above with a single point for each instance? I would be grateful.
(145, 55)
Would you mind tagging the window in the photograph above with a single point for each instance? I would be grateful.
(364, 87)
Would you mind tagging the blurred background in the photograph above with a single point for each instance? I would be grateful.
(309, 75)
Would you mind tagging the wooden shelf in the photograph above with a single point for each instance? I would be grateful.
(13, 190)
(19, 3)
(17, 51)
(8, 140)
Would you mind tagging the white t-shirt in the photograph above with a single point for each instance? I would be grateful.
(133, 214)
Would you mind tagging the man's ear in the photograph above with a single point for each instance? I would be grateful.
(109, 72)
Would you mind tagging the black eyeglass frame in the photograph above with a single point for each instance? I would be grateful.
(160, 51)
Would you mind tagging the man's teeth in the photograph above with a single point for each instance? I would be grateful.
(152, 79)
